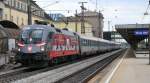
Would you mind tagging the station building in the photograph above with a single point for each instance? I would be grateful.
(93, 22)
(96, 20)
(16, 12)
(73, 24)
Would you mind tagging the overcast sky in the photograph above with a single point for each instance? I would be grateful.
(116, 11)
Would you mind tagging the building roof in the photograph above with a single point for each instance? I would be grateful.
(78, 19)
(91, 14)
(69, 19)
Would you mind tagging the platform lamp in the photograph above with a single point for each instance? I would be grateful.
(149, 42)
(146, 13)
(149, 37)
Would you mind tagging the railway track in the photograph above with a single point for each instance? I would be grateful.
(83, 76)
(23, 72)
(13, 75)
(5, 76)
(65, 73)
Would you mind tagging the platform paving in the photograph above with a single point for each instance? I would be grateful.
(131, 70)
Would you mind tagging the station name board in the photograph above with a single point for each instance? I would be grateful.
(141, 32)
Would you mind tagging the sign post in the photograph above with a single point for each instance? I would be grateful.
(149, 37)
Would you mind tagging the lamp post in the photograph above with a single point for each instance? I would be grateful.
(29, 12)
(149, 38)
(149, 42)
(146, 13)
(76, 23)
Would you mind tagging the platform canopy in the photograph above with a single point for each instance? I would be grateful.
(133, 33)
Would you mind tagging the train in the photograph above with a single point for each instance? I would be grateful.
(44, 45)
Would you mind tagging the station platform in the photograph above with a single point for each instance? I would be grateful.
(132, 68)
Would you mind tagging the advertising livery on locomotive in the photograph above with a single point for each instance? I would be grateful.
(42, 44)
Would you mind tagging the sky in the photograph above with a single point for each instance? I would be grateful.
(115, 11)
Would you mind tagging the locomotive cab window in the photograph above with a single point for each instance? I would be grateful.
(32, 36)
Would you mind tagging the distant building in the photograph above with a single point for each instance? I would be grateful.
(73, 24)
(56, 16)
(16, 11)
(93, 23)
(96, 20)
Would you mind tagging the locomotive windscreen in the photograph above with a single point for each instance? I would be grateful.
(31, 36)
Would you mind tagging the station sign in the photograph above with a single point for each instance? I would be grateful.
(141, 32)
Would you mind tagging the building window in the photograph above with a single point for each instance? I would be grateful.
(17, 20)
(24, 7)
(18, 5)
(12, 3)
(6, 2)
(22, 22)
(9, 2)
(42, 14)
(12, 18)
(37, 13)
(33, 10)
(5, 16)
(21, 6)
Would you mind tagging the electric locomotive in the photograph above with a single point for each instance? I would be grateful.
(40, 44)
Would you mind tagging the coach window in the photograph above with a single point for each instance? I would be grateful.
(84, 42)
(50, 36)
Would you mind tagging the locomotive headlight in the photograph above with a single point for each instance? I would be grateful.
(42, 48)
(41, 45)
(18, 49)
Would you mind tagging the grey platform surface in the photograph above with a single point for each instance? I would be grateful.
(133, 70)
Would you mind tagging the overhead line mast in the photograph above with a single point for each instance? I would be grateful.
(82, 17)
